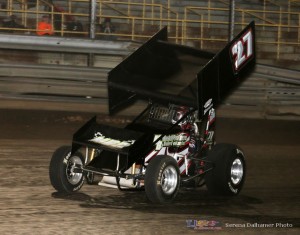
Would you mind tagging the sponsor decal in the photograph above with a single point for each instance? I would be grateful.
(207, 106)
(66, 158)
(101, 139)
(158, 182)
(171, 140)
(208, 103)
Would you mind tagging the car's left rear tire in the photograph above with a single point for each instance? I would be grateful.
(63, 172)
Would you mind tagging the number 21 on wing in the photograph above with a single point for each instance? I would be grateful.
(242, 50)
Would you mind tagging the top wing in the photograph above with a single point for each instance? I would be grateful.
(227, 69)
(163, 72)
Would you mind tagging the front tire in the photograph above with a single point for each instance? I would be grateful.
(162, 179)
(63, 176)
(229, 170)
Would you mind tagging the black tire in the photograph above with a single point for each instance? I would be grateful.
(62, 176)
(162, 179)
(229, 170)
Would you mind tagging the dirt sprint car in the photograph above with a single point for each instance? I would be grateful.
(172, 142)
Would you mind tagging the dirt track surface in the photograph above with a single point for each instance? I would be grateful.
(268, 204)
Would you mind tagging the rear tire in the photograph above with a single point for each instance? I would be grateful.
(229, 170)
(61, 171)
(162, 179)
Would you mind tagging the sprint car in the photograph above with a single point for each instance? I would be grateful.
(172, 142)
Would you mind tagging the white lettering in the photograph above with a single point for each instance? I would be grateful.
(100, 139)
(172, 140)
(242, 50)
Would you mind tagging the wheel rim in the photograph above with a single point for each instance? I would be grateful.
(237, 171)
(72, 176)
(169, 180)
